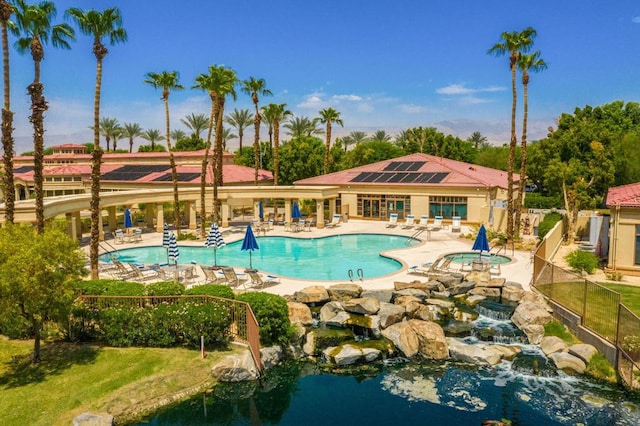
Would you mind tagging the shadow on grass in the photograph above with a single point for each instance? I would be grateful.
(55, 358)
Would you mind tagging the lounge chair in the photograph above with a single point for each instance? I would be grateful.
(423, 223)
(335, 221)
(393, 220)
(437, 224)
(142, 274)
(259, 281)
(118, 236)
(232, 279)
(455, 224)
(408, 224)
(210, 275)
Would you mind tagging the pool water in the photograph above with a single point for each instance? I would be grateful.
(327, 258)
(467, 257)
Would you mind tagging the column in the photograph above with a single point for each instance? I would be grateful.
(287, 210)
(149, 215)
(224, 211)
(159, 218)
(191, 208)
(113, 223)
(320, 214)
(71, 225)
(100, 228)
(256, 209)
(332, 207)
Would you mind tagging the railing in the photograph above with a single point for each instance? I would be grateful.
(244, 326)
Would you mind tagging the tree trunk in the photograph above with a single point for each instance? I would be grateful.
(35, 358)
(327, 148)
(512, 152)
(205, 163)
(172, 162)
(38, 107)
(6, 9)
(218, 179)
(256, 145)
(523, 153)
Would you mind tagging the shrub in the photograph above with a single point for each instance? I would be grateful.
(93, 287)
(272, 314)
(538, 201)
(165, 288)
(548, 223)
(580, 260)
(212, 290)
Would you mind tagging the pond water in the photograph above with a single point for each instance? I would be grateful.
(407, 393)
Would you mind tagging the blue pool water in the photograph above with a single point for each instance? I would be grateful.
(327, 258)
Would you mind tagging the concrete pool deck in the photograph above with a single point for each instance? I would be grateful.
(432, 246)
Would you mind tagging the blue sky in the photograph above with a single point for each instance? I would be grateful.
(383, 64)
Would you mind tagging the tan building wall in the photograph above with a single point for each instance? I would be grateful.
(622, 240)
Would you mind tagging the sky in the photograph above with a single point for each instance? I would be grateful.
(383, 64)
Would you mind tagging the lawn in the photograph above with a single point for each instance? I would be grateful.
(72, 379)
(629, 294)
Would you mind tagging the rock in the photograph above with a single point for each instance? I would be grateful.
(330, 310)
(441, 294)
(462, 288)
(492, 283)
(339, 320)
(342, 292)
(236, 368)
(403, 337)
(512, 294)
(552, 344)
(429, 313)
(295, 351)
(476, 354)
(93, 419)
(362, 305)
(309, 346)
(446, 304)
(508, 352)
(312, 295)
(371, 354)
(474, 299)
(432, 343)
(420, 294)
(458, 328)
(299, 313)
(300, 331)
(434, 285)
(583, 351)
(382, 295)
(390, 314)
(450, 280)
(478, 277)
(528, 313)
(565, 361)
(465, 315)
(537, 298)
(485, 291)
(534, 332)
(271, 356)
(347, 355)
(417, 285)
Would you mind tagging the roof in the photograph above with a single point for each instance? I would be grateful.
(624, 196)
(418, 170)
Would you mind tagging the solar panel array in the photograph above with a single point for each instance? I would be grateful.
(23, 169)
(404, 166)
(182, 177)
(400, 177)
(133, 172)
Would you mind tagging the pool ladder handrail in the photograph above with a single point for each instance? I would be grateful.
(360, 273)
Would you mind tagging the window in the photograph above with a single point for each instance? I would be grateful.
(448, 207)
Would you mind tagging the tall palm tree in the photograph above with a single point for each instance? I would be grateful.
(177, 134)
(168, 81)
(477, 139)
(153, 136)
(277, 113)
(381, 136)
(526, 63)
(256, 87)
(219, 83)
(327, 117)
(240, 119)
(108, 128)
(6, 10)
(267, 113)
(98, 25)
(131, 131)
(197, 123)
(34, 29)
(512, 43)
(302, 126)
(227, 136)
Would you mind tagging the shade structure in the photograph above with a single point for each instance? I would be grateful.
(249, 244)
(295, 211)
(260, 210)
(173, 252)
(128, 222)
(214, 239)
(481, 243)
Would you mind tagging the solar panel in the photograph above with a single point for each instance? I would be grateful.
(410, 178)
(438, 177)
(23, 169)
(415, 166)
(384, 177)
(361, 177)
(134, 172)
(424, 177)
(373, 177)
(393, 166)
(397, 177)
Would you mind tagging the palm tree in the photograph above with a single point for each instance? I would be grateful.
(302, 126)
(98, 25)
(277, 113)
(131, 131)
(6, 10)
(240, 119)
(227, 136)
(255, 87)
(153, 136)
(381, 136)
(526, 63)
(34, 29)
(197, 123)
(477, 139)
(177, 134)
(268, 119)
(219, 83)
(108, 128)
(329, 116)
(512, 43)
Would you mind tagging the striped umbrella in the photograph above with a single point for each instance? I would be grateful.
(214, 239)
(165, 239)
(173, 252)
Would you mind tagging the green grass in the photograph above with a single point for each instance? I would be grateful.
(556, 328)
(72, 379)
(629, 294)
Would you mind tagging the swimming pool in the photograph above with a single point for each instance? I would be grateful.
(328, 258)
(467, 257)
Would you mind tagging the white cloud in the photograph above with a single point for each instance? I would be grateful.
(412, 109)
(461, 89)
(353, 98)
(636, 19)
(313, 101)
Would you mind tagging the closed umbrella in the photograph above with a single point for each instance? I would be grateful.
(260, 210)
(165, 239)
(481, 243)
(214, 239)
(173, 252)
(295, 211)
(249, 243)
(128, 222)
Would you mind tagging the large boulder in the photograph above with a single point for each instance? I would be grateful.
(312, 295)
(445, 304)
(583, 351)
(309, 346)
(476, 354)
(485, 291)
(341, 319)
(349, 354)
(432, 343)
(420, 294)
(236, 368)
(330, 310)
(461, 288)
(566, 361)
(418, 285)
(553, 344)
(362, 305)
(534, 333)
(429, 313)
(299, 313)
(342, 292)
(450, 280)
(528, 313)
(511, 293)
(390, 314)
(271, 356)
(403, 337)
(382, 295)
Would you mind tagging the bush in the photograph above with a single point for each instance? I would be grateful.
(272, 314)
(211, 290)
(124, 288)
(165, 288)
(93, 287)
(538, 201)
(548, 223)
(580, 260)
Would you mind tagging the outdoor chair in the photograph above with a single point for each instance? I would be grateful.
(408, 224)
(118, 236)
(393, 220)
(210, 275)
(423, 223)
(335, 221)
(142, 274)
(437, 224)
(232, 279)
(455, 224)
(258, 281)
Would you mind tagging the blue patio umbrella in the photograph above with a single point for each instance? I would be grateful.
(481, 243)
(295, 211)
(260, 210)
(249, 243)
(173, 252)
(214, 239)
(128, 222)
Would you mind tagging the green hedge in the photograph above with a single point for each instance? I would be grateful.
(272, 314)
(548, 223)
(216, 290)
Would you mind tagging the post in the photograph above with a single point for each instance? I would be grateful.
(202, 347)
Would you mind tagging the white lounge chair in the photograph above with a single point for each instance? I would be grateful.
(233, 279)
(393, 220)
(259, 281)
(456, 224)
(335, 221)
(424, 222)
(408, 224)
(437, 224)
(118, 236)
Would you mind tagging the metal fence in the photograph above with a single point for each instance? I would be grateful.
(244, 326)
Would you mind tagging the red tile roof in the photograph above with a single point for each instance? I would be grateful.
(459, 173)
(624, 196)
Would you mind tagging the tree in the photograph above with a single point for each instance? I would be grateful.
(478, 140)
(302, 126)
(6, 10)
(189, 143)
(327, 117)
(109, 128)
(512, 43)
(381, 136)
(98, 25)
(527, 63)
(36, 272)
(256, 87)
(240, 119)
(277, 114)
(34, 29)
(370, 152)
(177, 135)
(300, 158)
(131, 131)
(153, 136)
(226, 137)
(197, 123)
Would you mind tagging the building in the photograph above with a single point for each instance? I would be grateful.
(624, 228)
